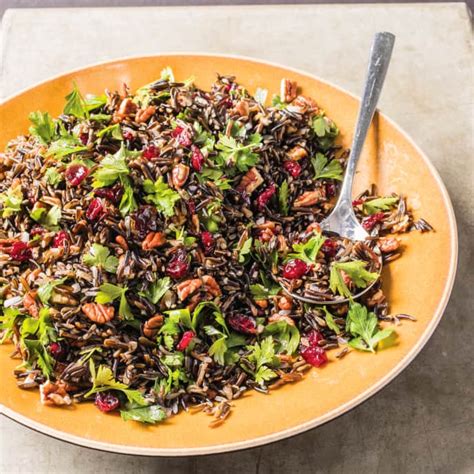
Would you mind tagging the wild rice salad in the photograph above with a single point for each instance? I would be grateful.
(143, 235)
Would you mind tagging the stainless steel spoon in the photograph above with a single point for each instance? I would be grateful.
(342, 219)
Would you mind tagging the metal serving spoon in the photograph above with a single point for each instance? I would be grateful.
(342, 219)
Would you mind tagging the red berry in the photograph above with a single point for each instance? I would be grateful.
(183, 136)
(357, 202)
(197, 158)
(20, 251)
(76, 174)
(316, 356)
(113, 194)
(314, 337)
(185, 340)
(96, 210)
(127, 135)
(60, 239)
(178, 266)
(330, 189)
(58, 351)
(207, 240)
(150, 152)
(330, 248)
(227, 88)
(37, 230)
(106, 401)
(265, 196)
(293, 167)
(242, 323)
(294, 269)
(84, 137)
(369, 222)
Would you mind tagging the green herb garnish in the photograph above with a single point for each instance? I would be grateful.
(308, 252)
(373, 206)
(355, 270)
(323, 169)
(11, 201)
(108, 293)
(99, 256)
(161, 195)
(43, 127)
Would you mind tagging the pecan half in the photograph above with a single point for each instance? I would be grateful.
(242, 108)
(153, 240)
(305, 104)
(127, 107)
(54, 394)
(288, 90)
(30, 304)
(152, 325)
(188, 287)
(388, 244)
(297, 153)
(179, 175)
(275, 318)
(309, 198)
(98, 313)
(211, 285)
(285, 303)
(250, 181)
(143, 115)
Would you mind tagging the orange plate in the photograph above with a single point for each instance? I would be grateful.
(419, 283)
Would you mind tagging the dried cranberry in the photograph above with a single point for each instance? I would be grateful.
(60, 239)
(207, 240)
(106, 401)
(146, 220)
(293, 167)
(369, 222)
(316, 356)
(357, 202)
(76, 174)
(185, 340)
(330, 248)
(330, 189)
(84, 137)
(20, 251)
(150, 152)
(265, 196)
(113, 194)
(197, 158)
(314, 337)
(183, 137)
(178, 266)
(242, 323)
(191, 205)
(127, 135)
(58, 351)
(295, 268)
(96, 210)
(37, 230)
(227, 88)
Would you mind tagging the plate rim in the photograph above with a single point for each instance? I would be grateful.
(302, 427)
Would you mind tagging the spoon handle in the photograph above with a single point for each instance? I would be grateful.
(378, 64)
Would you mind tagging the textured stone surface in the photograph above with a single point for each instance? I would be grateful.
(423, 421)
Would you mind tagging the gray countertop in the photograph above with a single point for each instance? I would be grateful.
(424, 420)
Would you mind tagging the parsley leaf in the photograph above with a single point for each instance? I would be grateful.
(53, 176)
(149, 414)
(330, 321)
(308, 252)
(94, 102)
(46, 291)
(278, 103)
(113, 167)
(113, 131)
(64, 146)
(75, 104)
(99, 256)
(161, 195)
(286, 335)
(11, 201)
(157, 290)
(167, 74)
(355, 269)
(43, 127)
(283, 197)
(245, 250)
(108, 293)
(364, 324)
(103, 380)
(49, 219)
(8, 322)
(261, 355)
(260, 292)
(128, 203)
(325, 129)
(216, 176)
(322, 169)
(379, 204)
(234, 154)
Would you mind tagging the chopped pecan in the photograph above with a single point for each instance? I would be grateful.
(388, 244)
(314, 227)
(250, 181)
(242, 108)
(211, 285)
(285, 303)
(377, 298)
(63, 299)
(143, 115)
(152, 325)
(275, 318)
(98, 313)
(179, 175)
(262, 303)
(153, 240)
(127, 107)
(288, 90)
(30, 304)
(309, 198)
(305, 104)
(297, 153)
(54, 393)
(266, 230)
(122, 242)
(188, 287)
